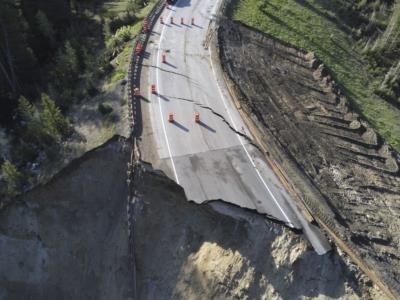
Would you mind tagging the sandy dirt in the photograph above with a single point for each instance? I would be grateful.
(320, 141)
(218, 251)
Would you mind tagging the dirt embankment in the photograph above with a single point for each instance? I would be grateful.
(218, 251)
(340, 165)
(68, 239)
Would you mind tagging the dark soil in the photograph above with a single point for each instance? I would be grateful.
(312, 130)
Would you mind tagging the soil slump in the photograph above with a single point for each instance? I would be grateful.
(300, 109)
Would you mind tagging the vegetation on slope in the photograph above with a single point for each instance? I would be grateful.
(54, 57)
(357, 40)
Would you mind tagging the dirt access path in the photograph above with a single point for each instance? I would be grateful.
(340, 166)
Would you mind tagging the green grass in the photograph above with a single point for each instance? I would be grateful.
(308, 25)
(121, 61)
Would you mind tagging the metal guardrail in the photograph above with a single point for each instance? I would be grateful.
(134, 168)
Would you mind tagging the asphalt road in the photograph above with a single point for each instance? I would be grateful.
(210, 160)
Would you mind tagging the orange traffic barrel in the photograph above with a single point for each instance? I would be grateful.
(197, 117)
(153, 88)
(161, 20)
(170, 117)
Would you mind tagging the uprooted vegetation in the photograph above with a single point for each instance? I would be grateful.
(309, 125)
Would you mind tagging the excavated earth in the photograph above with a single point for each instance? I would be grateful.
(346, 173)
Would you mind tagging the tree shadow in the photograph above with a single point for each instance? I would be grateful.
(182, 3)
(331, 18)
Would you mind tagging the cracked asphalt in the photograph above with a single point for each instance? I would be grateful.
(214, 158)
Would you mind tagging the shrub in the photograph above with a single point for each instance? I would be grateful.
(105, 108)
(12, 178)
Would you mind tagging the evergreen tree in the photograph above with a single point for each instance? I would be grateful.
(52, 120)
(26, 110)
(45, 27)
(12, 177)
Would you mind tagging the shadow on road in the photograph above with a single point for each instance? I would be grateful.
(198, 26)
(182, 3)
(145, 99)
(206, 126)
(162, 97)
(177, 124)
(170, 65)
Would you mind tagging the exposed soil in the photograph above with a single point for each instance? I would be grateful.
(68, 239)
(219, 251)
(314, 135)
(76, 238)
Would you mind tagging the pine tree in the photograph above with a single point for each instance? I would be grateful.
(33, 131)
(26, 110)
(45, 27)
(52, 119)
(12, 177)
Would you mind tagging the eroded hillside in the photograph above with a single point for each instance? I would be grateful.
(309, 127)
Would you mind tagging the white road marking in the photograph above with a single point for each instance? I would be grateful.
(240, 139)
(159, 102)
(244, 147)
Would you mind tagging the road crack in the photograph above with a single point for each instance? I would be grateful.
(245, 136)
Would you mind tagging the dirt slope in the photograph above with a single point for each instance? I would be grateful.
(311, 130)
(218, 251)
(68, 239)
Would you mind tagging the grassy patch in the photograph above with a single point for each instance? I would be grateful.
(310, 25)
(118, 74)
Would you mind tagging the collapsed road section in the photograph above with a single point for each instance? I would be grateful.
(347, 174)
(196, 134)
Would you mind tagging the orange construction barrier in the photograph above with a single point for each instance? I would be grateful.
(164, 59)
(197, 117)
(136, 92)
(138, 49)
(182, 21)
(153, 88)
(161, 20)
(172, 20)
(170, 117)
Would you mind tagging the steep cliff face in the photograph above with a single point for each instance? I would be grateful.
(70, 239)
(219, 251)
